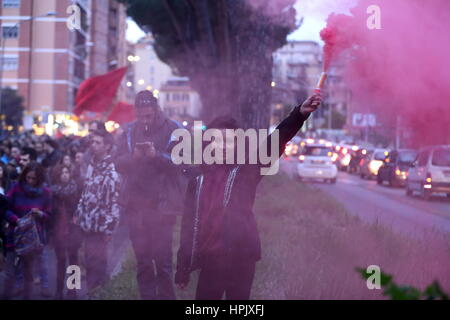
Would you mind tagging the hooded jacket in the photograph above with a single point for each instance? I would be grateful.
(98, 209)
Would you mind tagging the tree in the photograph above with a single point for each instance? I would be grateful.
(224, 46)
(12, 107)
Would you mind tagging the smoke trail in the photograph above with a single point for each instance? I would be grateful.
(336, 37)
(401, 70)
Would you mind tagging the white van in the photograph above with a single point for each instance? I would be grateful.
(430, 172)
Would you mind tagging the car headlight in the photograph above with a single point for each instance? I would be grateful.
(374, 166)
(346, 160)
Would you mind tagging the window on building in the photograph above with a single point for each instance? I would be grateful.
(176, 97)
(10, 63)
(10, 32)
(11, 3)
(168, 97)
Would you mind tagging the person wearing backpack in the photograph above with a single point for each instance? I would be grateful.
(31, 201)
(143, 159)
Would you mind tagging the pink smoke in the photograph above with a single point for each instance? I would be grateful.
(336, 37)
(401, 70)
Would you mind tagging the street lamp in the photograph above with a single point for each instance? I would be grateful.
(3, 42)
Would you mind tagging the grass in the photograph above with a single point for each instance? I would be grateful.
(311, 247)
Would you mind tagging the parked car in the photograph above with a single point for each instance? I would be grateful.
(430, 172)
(316, 161)
(394, 169)
(371, 162)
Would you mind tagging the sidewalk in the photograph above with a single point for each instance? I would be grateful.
(117, 250)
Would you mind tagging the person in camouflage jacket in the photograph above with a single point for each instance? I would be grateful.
(97, 212)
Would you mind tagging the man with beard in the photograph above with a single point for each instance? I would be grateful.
(97, 213)
(143, 160)
(219, 234)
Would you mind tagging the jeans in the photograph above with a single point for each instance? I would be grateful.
(40, 262)
(233, 278)
(66, 251)
(96, 259)
(151, 237)
(25, 264)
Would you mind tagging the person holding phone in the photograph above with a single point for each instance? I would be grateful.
(143, 160)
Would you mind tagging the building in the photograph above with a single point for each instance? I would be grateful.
(299, 64)
(179, 101)
(46, 61)
(111, 49)
(150, 72)
(296, 69)
(338, 97)
(176, 97)
(127, 91)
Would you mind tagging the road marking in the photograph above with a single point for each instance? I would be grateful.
(349, 182)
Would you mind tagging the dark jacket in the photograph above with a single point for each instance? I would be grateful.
(240, 234)
(4, 206)
(144, 181)
(65, 201)
(52, 159)
(22, 199)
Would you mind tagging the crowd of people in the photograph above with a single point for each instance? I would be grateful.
(75, 190)
(46, 177)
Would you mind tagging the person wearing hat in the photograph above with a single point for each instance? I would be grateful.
(143, 160)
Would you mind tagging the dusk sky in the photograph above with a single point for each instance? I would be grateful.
(315, 13)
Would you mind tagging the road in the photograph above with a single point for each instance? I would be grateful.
(388, 206)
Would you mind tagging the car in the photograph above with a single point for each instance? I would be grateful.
(430, 172)
(371, 162)
(344, 157)
(394, 169)
(356, 157)
(291, 150)
(317, 161)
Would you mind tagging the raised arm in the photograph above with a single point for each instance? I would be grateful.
(289, 127)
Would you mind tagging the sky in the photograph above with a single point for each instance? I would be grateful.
(315, 13)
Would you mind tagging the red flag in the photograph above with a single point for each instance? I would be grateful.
(96, 93)
(122, 113)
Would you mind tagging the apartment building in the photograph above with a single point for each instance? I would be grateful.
(150, 72)
(46, 61)
(179, 101)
